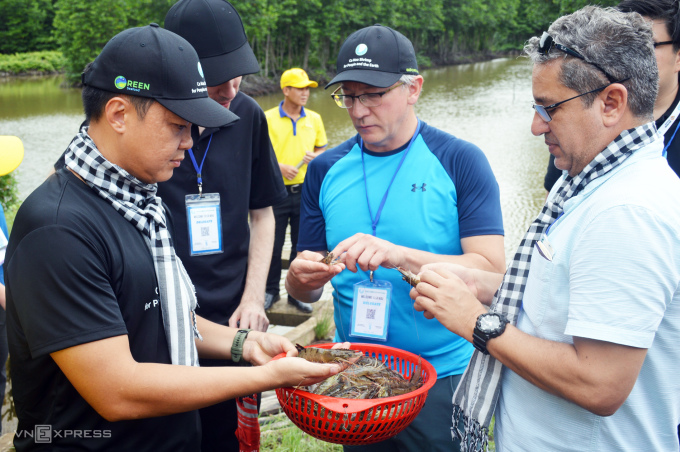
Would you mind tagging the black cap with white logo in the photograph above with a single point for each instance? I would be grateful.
(377, 56)
(156, 63)
(216, 31)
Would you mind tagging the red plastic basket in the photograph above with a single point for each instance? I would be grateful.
(360, 421)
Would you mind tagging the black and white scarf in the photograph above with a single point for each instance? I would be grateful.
(476, 396)
(137, 202)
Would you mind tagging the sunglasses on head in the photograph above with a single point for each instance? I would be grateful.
(547, 43)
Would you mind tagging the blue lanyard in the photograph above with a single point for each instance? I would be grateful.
(200, 168)
(665, 148)
(551, 224)
(374, 222)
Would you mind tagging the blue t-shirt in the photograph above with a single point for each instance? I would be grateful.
(3, 227)
(444, 191)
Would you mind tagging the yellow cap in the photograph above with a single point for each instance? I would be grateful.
(11, 154)
(297, 78)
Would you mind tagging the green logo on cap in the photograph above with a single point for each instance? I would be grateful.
(130, 85)
(200, 69)
(120, 82)
(361, 49)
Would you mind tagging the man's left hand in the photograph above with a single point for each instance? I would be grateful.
(309, 156)
(368, 253)
(259, 348)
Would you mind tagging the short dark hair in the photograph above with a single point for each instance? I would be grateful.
(95, 100)
(666, 10)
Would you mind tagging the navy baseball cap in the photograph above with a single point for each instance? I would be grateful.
(375, 55)
(156, 63)
(216, 31)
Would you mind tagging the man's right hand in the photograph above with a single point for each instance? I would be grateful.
(300, 372)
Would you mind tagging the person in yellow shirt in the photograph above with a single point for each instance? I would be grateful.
(298, 136)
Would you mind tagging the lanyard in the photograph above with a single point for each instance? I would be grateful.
(665, 148)
(200, 168)
(667, 124)
(374, 222)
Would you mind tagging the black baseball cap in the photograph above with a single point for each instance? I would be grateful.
(375, 55)
(216, 31)
(153, 62)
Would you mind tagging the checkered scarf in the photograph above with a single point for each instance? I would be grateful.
(476, 396)
(137, 203)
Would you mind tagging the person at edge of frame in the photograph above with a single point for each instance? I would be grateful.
(11, 155)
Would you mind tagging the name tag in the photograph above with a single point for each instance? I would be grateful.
(545, 249)
(205, 223)
(371, 309)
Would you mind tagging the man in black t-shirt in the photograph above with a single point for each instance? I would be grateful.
(237, 164)
(103, 336)
(665, 18)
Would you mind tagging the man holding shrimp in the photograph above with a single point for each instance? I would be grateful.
(585, 324)
(103, 336)
(399, 193)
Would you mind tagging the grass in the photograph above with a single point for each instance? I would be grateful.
(325, 325)
(281, 435)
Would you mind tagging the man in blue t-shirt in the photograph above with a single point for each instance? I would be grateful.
(398, 194)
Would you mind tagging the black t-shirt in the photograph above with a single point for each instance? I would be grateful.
(78, 272)
(673, 151)
(241, 166)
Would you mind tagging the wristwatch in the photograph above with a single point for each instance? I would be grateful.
(488, 326)
(237, 345)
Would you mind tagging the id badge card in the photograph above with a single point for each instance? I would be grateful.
(371, 309)
(205, 223)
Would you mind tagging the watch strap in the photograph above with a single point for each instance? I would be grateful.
(237, 345)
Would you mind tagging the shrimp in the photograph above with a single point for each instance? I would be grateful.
(408, 276)
(330, 259)
(324, 355)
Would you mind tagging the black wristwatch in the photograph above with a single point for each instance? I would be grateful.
(488, 326)
(237, 345)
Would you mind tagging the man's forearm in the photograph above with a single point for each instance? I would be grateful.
(262, 225)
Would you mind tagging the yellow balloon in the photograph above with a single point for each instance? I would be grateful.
(11, 153)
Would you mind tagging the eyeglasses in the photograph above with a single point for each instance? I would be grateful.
(543, 111)
(547, 43)
(366, 99)
(662, 43)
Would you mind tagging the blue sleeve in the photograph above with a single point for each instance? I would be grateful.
(312, 234)
(3, 227)
(479, 201)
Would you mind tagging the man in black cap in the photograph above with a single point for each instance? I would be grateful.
(103, 336)
(236, 169)
(398, 194)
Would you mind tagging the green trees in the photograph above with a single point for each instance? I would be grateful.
(26, 25)
(83, 27)
(288, 33)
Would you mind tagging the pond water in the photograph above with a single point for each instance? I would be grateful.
(487, 103)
